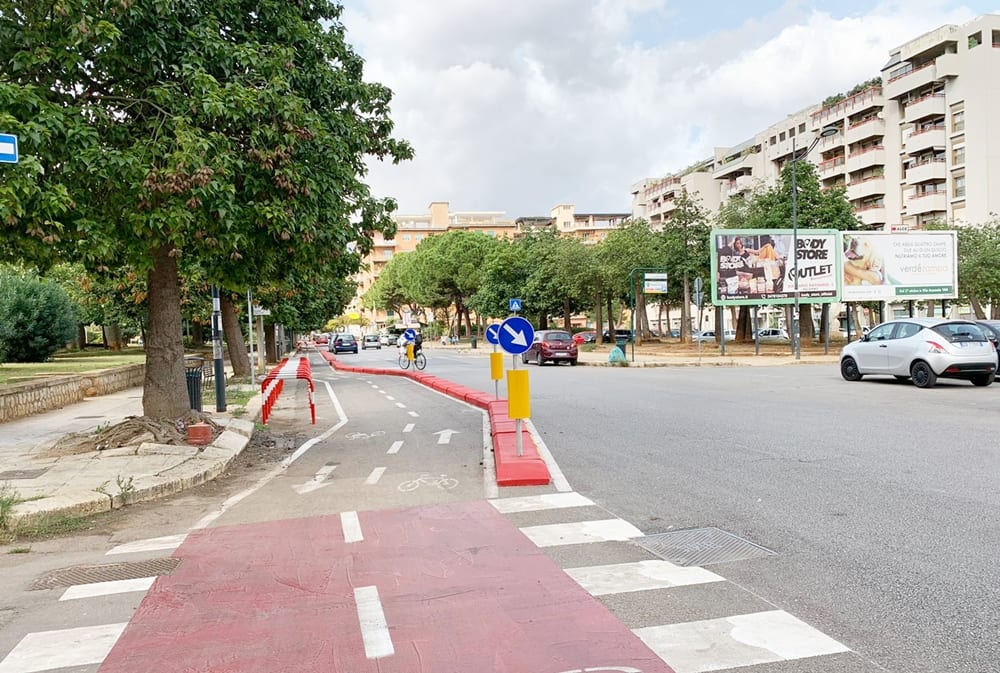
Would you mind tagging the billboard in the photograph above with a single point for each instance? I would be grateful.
(886, 266)
(755, 266)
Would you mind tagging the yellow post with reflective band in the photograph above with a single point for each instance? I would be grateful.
(496, 366)
(409, 351)
(518, 401)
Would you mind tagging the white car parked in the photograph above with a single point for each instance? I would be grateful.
(923, 350)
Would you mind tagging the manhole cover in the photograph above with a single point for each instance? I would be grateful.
(107, 572)
(701, 546)
(23, 474)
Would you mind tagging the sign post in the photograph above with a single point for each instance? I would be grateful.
(654, 282)
(496, 358)
(515, 336)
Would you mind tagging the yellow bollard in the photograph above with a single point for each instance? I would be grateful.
(496, 366)
(409, 352)
(518, 401)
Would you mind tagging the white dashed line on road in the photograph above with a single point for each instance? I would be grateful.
(396, 446)
(375, 476)
(374, 630)
(352, 527)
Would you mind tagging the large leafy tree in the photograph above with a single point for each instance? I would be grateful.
(686, 244)
(632, 246)
(979, 266)
(226, 132)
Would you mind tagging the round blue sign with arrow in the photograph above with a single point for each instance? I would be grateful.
(410, 335)
(516, 335)
(493, 333)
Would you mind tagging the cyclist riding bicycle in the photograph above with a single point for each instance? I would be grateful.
(417, 342)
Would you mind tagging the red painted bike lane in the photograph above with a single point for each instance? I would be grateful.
(446, 588)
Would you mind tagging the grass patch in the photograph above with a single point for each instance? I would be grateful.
(46, 527)
(8, 498)
(20, 550)
(70, 363)
(237, 397)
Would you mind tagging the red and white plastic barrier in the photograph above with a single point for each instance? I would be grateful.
(274, 382)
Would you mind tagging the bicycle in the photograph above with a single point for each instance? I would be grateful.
(419, 361)
(444, 482)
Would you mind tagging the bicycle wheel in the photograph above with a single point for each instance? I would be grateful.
(404, 362)
(447, 483)
(420, 361)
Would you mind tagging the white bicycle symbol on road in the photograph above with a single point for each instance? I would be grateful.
(443, 482)
(364, 435)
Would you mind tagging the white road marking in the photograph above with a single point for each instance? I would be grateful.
(383, 392)
(375, 386)
(66, 648)
(352, 527)
(732, 642)
(375, 476)
(281, 467)
(582, 532)
(490, 488)
(622, 578)
(534, 503)
(374, 630)
(559, 480)
(396, 446)
(414, 414)
(107, 588)
(317, 482)
(400, 405)
(390, 398)
(444, 436)
(408, 427)
(152, 544)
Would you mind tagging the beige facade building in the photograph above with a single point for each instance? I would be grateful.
(591, 228)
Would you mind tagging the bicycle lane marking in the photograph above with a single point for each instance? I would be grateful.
(459, 579)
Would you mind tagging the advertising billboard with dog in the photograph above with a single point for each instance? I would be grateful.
(886, 266)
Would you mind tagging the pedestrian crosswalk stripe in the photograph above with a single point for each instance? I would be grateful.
(106, 588)
(533, 503)
(741, 640)
(152, 544)
(640, 576)
(65, 648)
(374, 630)
(582, 532)
(352, 527)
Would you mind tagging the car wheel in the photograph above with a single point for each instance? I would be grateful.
(922, 374)
(572, 363)
(524, 358)
(538, 359)
(849, 369)
(982, 380)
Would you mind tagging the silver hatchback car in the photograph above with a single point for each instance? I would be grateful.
(923, 350)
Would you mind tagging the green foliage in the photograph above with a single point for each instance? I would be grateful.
(36, 318)
(816, 209)
(979, 263)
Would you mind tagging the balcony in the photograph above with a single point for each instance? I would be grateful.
(928, 202)
(917, 77)
(870, 128)
(830, 167)
(866, 158)
(872, 216)
(864, 188)
(934, 170)
(928, 106)
(742, 164)
(741, 184)
(920, 141)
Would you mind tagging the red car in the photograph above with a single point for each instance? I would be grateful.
(585, 337)
(553, 345)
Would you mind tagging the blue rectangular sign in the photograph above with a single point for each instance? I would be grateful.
(8, 148)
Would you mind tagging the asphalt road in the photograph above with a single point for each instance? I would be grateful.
(880, 499)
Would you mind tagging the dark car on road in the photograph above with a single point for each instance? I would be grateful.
(620, 335)
(551, 346)
(344, 343)
(991, 328)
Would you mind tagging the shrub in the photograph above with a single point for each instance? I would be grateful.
(37, 315)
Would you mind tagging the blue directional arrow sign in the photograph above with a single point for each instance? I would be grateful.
(516, 335)
(8, 148)
(493, 334)
(410, 334)
(514, 305)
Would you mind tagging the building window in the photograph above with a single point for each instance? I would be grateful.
(791, 132)
(420, 237)
(490, 232)
(387, 254)
(958, 156)
(975, 39)
(781, 136)
(774, 139)
(959, 189)
(802, 127)
(406, 237)
(958, 121)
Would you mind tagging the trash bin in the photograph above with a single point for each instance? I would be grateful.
(621, 343)
(192, 373)
(473, 341)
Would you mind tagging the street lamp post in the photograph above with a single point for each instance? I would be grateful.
(826, 132)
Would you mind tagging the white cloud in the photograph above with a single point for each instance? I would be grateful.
(520, 106)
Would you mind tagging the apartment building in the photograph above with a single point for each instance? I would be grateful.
(918, 144)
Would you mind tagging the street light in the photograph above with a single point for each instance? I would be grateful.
(825, 132)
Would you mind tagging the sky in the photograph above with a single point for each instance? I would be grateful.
(520, 105)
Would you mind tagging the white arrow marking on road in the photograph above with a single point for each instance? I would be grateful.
(317, 482)
(444, 436)
(518, 336)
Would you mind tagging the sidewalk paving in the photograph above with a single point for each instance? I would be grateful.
(84, 484)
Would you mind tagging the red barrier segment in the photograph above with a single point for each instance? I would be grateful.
(274, 383)
(528, 469)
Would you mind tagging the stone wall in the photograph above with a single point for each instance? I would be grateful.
(25, 399)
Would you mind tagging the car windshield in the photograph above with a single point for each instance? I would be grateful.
(960, 331)
(558, 336)
(345, 338)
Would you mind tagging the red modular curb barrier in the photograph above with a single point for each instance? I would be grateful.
(274, 383)
(528, 469)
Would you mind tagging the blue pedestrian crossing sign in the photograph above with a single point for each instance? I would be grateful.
(493, 333)
(516, 335)
(8, 149)
(514, 305)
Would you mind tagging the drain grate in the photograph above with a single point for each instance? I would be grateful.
(23, 474)
(701, 546)
(106, 572)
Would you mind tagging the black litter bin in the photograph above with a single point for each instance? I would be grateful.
(192, 372)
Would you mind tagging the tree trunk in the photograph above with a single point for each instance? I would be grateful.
(600, 319)
(744, 325)
(685, 312)
(231, 327)
(567, 315)
(81, 336)
(270, 344)
(113, 334)
(611, 326)
(197, 333)
(164, 392)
